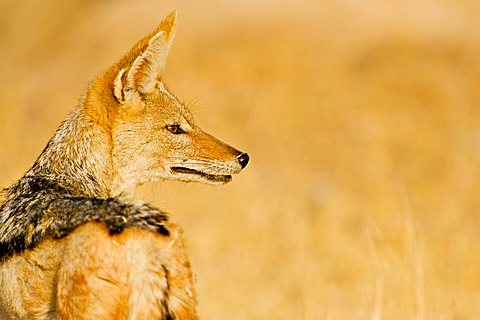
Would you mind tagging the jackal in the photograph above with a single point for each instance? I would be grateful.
(73, 245)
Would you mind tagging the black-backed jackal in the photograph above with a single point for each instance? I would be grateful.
(72, 244)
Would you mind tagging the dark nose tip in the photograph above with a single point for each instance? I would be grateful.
(243, 159)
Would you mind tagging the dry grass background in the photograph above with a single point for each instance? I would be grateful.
(362, 119)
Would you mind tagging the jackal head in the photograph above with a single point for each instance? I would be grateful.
(153, 134)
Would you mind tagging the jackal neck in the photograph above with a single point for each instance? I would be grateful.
(78, 156)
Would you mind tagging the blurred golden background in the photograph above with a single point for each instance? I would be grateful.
(362, 120)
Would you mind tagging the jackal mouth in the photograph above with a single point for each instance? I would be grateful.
(212, 177)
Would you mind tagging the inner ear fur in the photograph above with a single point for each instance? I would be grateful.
(145, 63)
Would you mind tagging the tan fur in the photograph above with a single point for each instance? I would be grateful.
(127, 273)
(124, 133)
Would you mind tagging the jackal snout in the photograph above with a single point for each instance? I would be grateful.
(207, 160)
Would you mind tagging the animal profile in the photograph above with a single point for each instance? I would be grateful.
(74, 244)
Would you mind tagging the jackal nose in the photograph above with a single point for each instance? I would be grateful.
(243, 159)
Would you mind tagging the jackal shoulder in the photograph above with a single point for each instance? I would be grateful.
(38, 207)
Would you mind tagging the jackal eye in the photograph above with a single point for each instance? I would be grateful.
(175, 129)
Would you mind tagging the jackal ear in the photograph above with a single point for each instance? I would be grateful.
(150, 64)
(118, 85)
